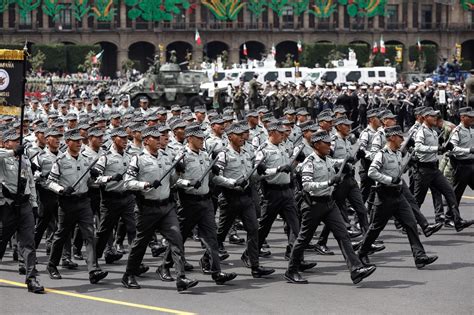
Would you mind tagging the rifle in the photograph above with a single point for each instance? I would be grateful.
(403, 148)
(207, 171)
(171, 167)
(87, 171)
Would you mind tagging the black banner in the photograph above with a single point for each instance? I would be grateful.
(11, 81)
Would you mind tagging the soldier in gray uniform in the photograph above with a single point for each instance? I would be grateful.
(319, 177)
(462, 156)
(196, 205)
(387, 169)
(274, 169)
(74, 205)
(235, 167)
(116, 201)
(428, 173)
(177, 141)
(156, 211)
(17, 200)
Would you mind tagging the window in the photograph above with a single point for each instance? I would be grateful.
(359, 23)
(11, 15)
(271, 76)
(415, 14)
(253, 21)
(288, 74)
(65, 18)
(218, 76)
(353, 76)
(371, 74)
(288, 17)
(179, 20)
(392, 17)
(426, 16)
(25, 21)
(329, 76)
(248, 76)
(381, 74)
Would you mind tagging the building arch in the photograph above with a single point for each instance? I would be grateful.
(467, 51)
(142, 53)
(255, 50)
(182, 49)
(286, 47)
(108, 65)
(214, 48)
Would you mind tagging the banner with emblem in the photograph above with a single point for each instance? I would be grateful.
(12, 81)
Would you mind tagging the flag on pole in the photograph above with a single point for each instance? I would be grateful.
(375, 49)
(98, 57)
(197, 38)
(274, 52)
(300, 46)
(418, 44)
(244, 50)
(382, 45)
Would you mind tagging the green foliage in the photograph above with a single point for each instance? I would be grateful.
(52, 8)
(37, 61)
(367, 8)
(278, 6)
(104, 10)
(77, 55)
(323, 8)
(128, 64)
(4, 5)
(55, 56)
(390, 54)
(256, 7)
(27, 6)
(155, 10)
(321, 53)
(428, 52)
(300, 6)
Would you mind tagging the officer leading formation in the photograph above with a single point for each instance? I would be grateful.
(94, 175)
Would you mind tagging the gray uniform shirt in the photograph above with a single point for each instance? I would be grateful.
(233, 166)
(341, 147)
(215, 143)
(385, 166)
(195, 164)
(365, 139)
(274, 157)
(44, 161)
(109, 165)
(426, 144)
(66, 170)
(316, 174)
(463, 140)
(378, 142)
(145, 169)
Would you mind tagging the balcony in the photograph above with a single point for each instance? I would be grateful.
(395, 26)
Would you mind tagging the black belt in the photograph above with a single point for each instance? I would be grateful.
(190, 197)
(389, 190)
(22, 198)
(153, 202)
(432, 165)
(75, 197)
(234, 192)
(115, 195)
(276, 186)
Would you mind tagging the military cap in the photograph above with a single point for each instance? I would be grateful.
(151, 117)
(321, 135)
(58, 124)
(430, 112)
(161, 111)
(308, 125)
(342, 120)
(128, 116)
(118, 132)
(71, 116)
(55, 99)
(99, 118)
(194, 130)
(177, 123)
(276, 126)
(466, 111)
(267, 117)
(372, 113)
(164, 128)
(138, 119)
(289, 111)
(244, 126)
(175, 108)
(387, 114)
(41, 128)
(73, 134)
(302, 112)
(228, 110)
(251, 114)
(393, 131)
(152, 131)
(419, 110)
(37, 121)
(95, 132)
(262, 109)
(284, 121)
(124, 98)
(137, 127)
(216, 120)
(53, 132)
(187, 117)
(228, 117)
(200, 109)
(325, 116)
(143, 99)
(115, 115)
(234, 128)
(10, 135)
(339, 110)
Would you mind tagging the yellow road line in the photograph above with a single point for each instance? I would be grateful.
(98, 299)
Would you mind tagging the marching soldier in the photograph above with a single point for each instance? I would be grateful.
(463, 152)
(235, 169)
(319, 177)
(387, 169)
(196, 206)
(427, 174)
(74, 205)
(148, 174)
(254, 96)
(17, 200)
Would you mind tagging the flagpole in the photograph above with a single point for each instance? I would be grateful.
(22, 116)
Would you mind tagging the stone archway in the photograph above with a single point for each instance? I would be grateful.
(213, 49)
(467, 51)
(181, 48)
(284, 48)
(255, 50)
(108, 66)
(142, 53)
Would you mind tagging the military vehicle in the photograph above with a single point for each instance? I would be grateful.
(167, 86)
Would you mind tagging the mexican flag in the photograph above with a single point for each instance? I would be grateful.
(382, 45)
(274, 51)
(244, 50)
(300, 46)
(197, 38)
(375, 49)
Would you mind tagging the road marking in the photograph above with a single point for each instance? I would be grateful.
(98, 299)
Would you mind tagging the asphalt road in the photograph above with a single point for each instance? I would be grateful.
(397, 287)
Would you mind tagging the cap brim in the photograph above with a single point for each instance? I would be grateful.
(75, 138)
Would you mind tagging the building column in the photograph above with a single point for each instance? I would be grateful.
(234, 55)
(122, 55)
(123, 15)
(5, 19)
(410, 15)
(341, 16)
